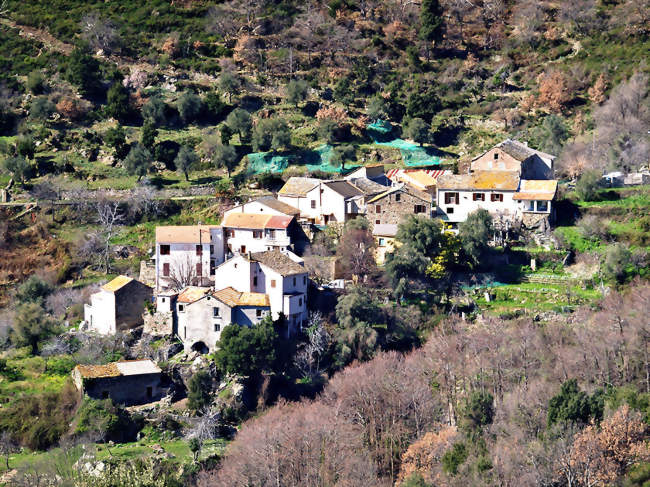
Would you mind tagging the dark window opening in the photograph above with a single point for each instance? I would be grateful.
(398, 197)
(166, 269)
(104, 394)
(199, 250)
(450, 210)
(496, 156)
(478, 196)
(496, 197)
(164, 250)
(199, 269)
(149, 392)
(217, 327)
(313, 203)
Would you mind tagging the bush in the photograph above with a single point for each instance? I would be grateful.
(83, 72)
(61, 365)
(571, 405)
(454, 458)
(31, 326)
(118, 105)
(41, 108)
(297, 91)
(199, 391)
(101, 420)
(35, 83)
(588, 185)
(615, 263)
(189, 107)
(18, 167)
(155, 110)
(34, 290)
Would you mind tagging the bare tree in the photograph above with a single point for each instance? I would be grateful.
(99, 32)
(308, 358)
(182, 273)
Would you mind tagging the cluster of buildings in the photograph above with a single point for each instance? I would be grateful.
(207, 277)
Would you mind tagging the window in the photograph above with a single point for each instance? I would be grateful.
(377, 208)
(531, 206)
(199, 250)
(166, 269)
(382, 242)
(496, 197)
(272, 234)
(162, 300)
(542, 206)
(254, 280)
(215, 312)
(304, 279)
(419, 209)
(313, 203)
(398, 197)
(496, 156)
(451, 198)
(300, 302)
(164, 250)
(181, 308)
(104, 394)
(217, 327)
(272, 282)
(242, 249)
(199, 269)
(257, 233)
(258, 313)
(294, 281)
(149, 392)
(230, 233)
(185, 332)
(478, 196)
(450, 210)
(377, 222)
(211, 249)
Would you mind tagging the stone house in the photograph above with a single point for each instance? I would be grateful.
(128, 382)
(536, 203)
(384, 235)
(396, 203)
(117, 306)
(280, 275)
(511, 155)
(425, 180)
(202, 314)
(191, 252)
(266, 205)
(249, 232)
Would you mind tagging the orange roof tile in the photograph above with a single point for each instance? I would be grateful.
(184, 234)
(233, 298)
(256, 221)
(542, 189)
(192, 293)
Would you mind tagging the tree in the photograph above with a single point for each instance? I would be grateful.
(417, 130)
(475, 233)
(229, 83)
(199, 390)
(271, 133)
(478, 412)
(195, 446)
(571, 405)
(118, 105)
(342, 153)
(189, 107)
(99, 33)
(32, 326)
(422, 103)
(25, 146)
(225, 156)
(239, 121)
(343, 92)
(34, 290)
(617, 259)
(247, 351)
(185, 160)
(115, 137)
(148, 135)
(597, 91)
(36, 83)
(327, 130)
(588, 185)
(377, 108)
(18, 167)
(297, 91)
(554, 91)
(83, 72)
(214, 105)
(155, 110)
(431, 21)
(41, 108)
(356, 249)
(138, 161)
(422, 234)
(308, 358)
(357, 307)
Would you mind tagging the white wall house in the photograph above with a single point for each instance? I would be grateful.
(246, 232)
(187, 251)
(117, 306)
(462, 194)
(266, 205)
(536, 197)
(323, 202)
(202, 314)
(275, 274)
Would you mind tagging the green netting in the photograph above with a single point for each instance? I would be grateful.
(413, 154)
(313, 160)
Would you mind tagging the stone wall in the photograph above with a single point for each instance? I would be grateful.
(129, 304)
(537, 222)
(159, 324)
(392, 211)
(127, 390)
(147, 272)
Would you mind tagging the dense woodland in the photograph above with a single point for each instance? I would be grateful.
(117, 117)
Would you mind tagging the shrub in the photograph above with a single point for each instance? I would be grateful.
(118, 105)
(34, 290)
(588, 185)
(101, 420)
(615, 262)
(571, 405)
(25, 146)
(155, 110)
(199, 391)
(454, 458)
(35, 82)
(297, 91)
(31, 326)
(41, 108)
(18, 167)
(189, 107)
(83, 72)
(61, 365)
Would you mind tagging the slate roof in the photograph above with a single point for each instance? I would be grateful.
(531, 189)
(184, 234)
(480, 180)
(279, 262)
(192, 294)
(368, 186)
(278, 205)
(116, 284)
(298, 186)
(256, 221)
(517, 150)
(117, 369)
(344, 188)
(403, 188)
(233, 298)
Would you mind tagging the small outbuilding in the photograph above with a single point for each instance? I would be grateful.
(129, 382)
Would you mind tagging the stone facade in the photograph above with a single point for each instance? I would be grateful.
(395, 205)
(159, 324)
(126, 390)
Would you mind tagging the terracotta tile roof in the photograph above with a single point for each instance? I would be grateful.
(116, 284)
(184, 234)
(531, 189)
(277, 221)
(278, 205)
(192, 294)
(116, 369)
(480, 180)
(233, 298)
(256, 221)
(344, 188)
(279, 262)
(298, 186)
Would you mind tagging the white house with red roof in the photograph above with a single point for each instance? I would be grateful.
(247, 232)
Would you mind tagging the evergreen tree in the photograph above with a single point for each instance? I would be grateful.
(185, 160)
(225, 156)
(83, 72)
(118, 102)
(297, 91)
(431, 21)
(138, 161)
(148, 135)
